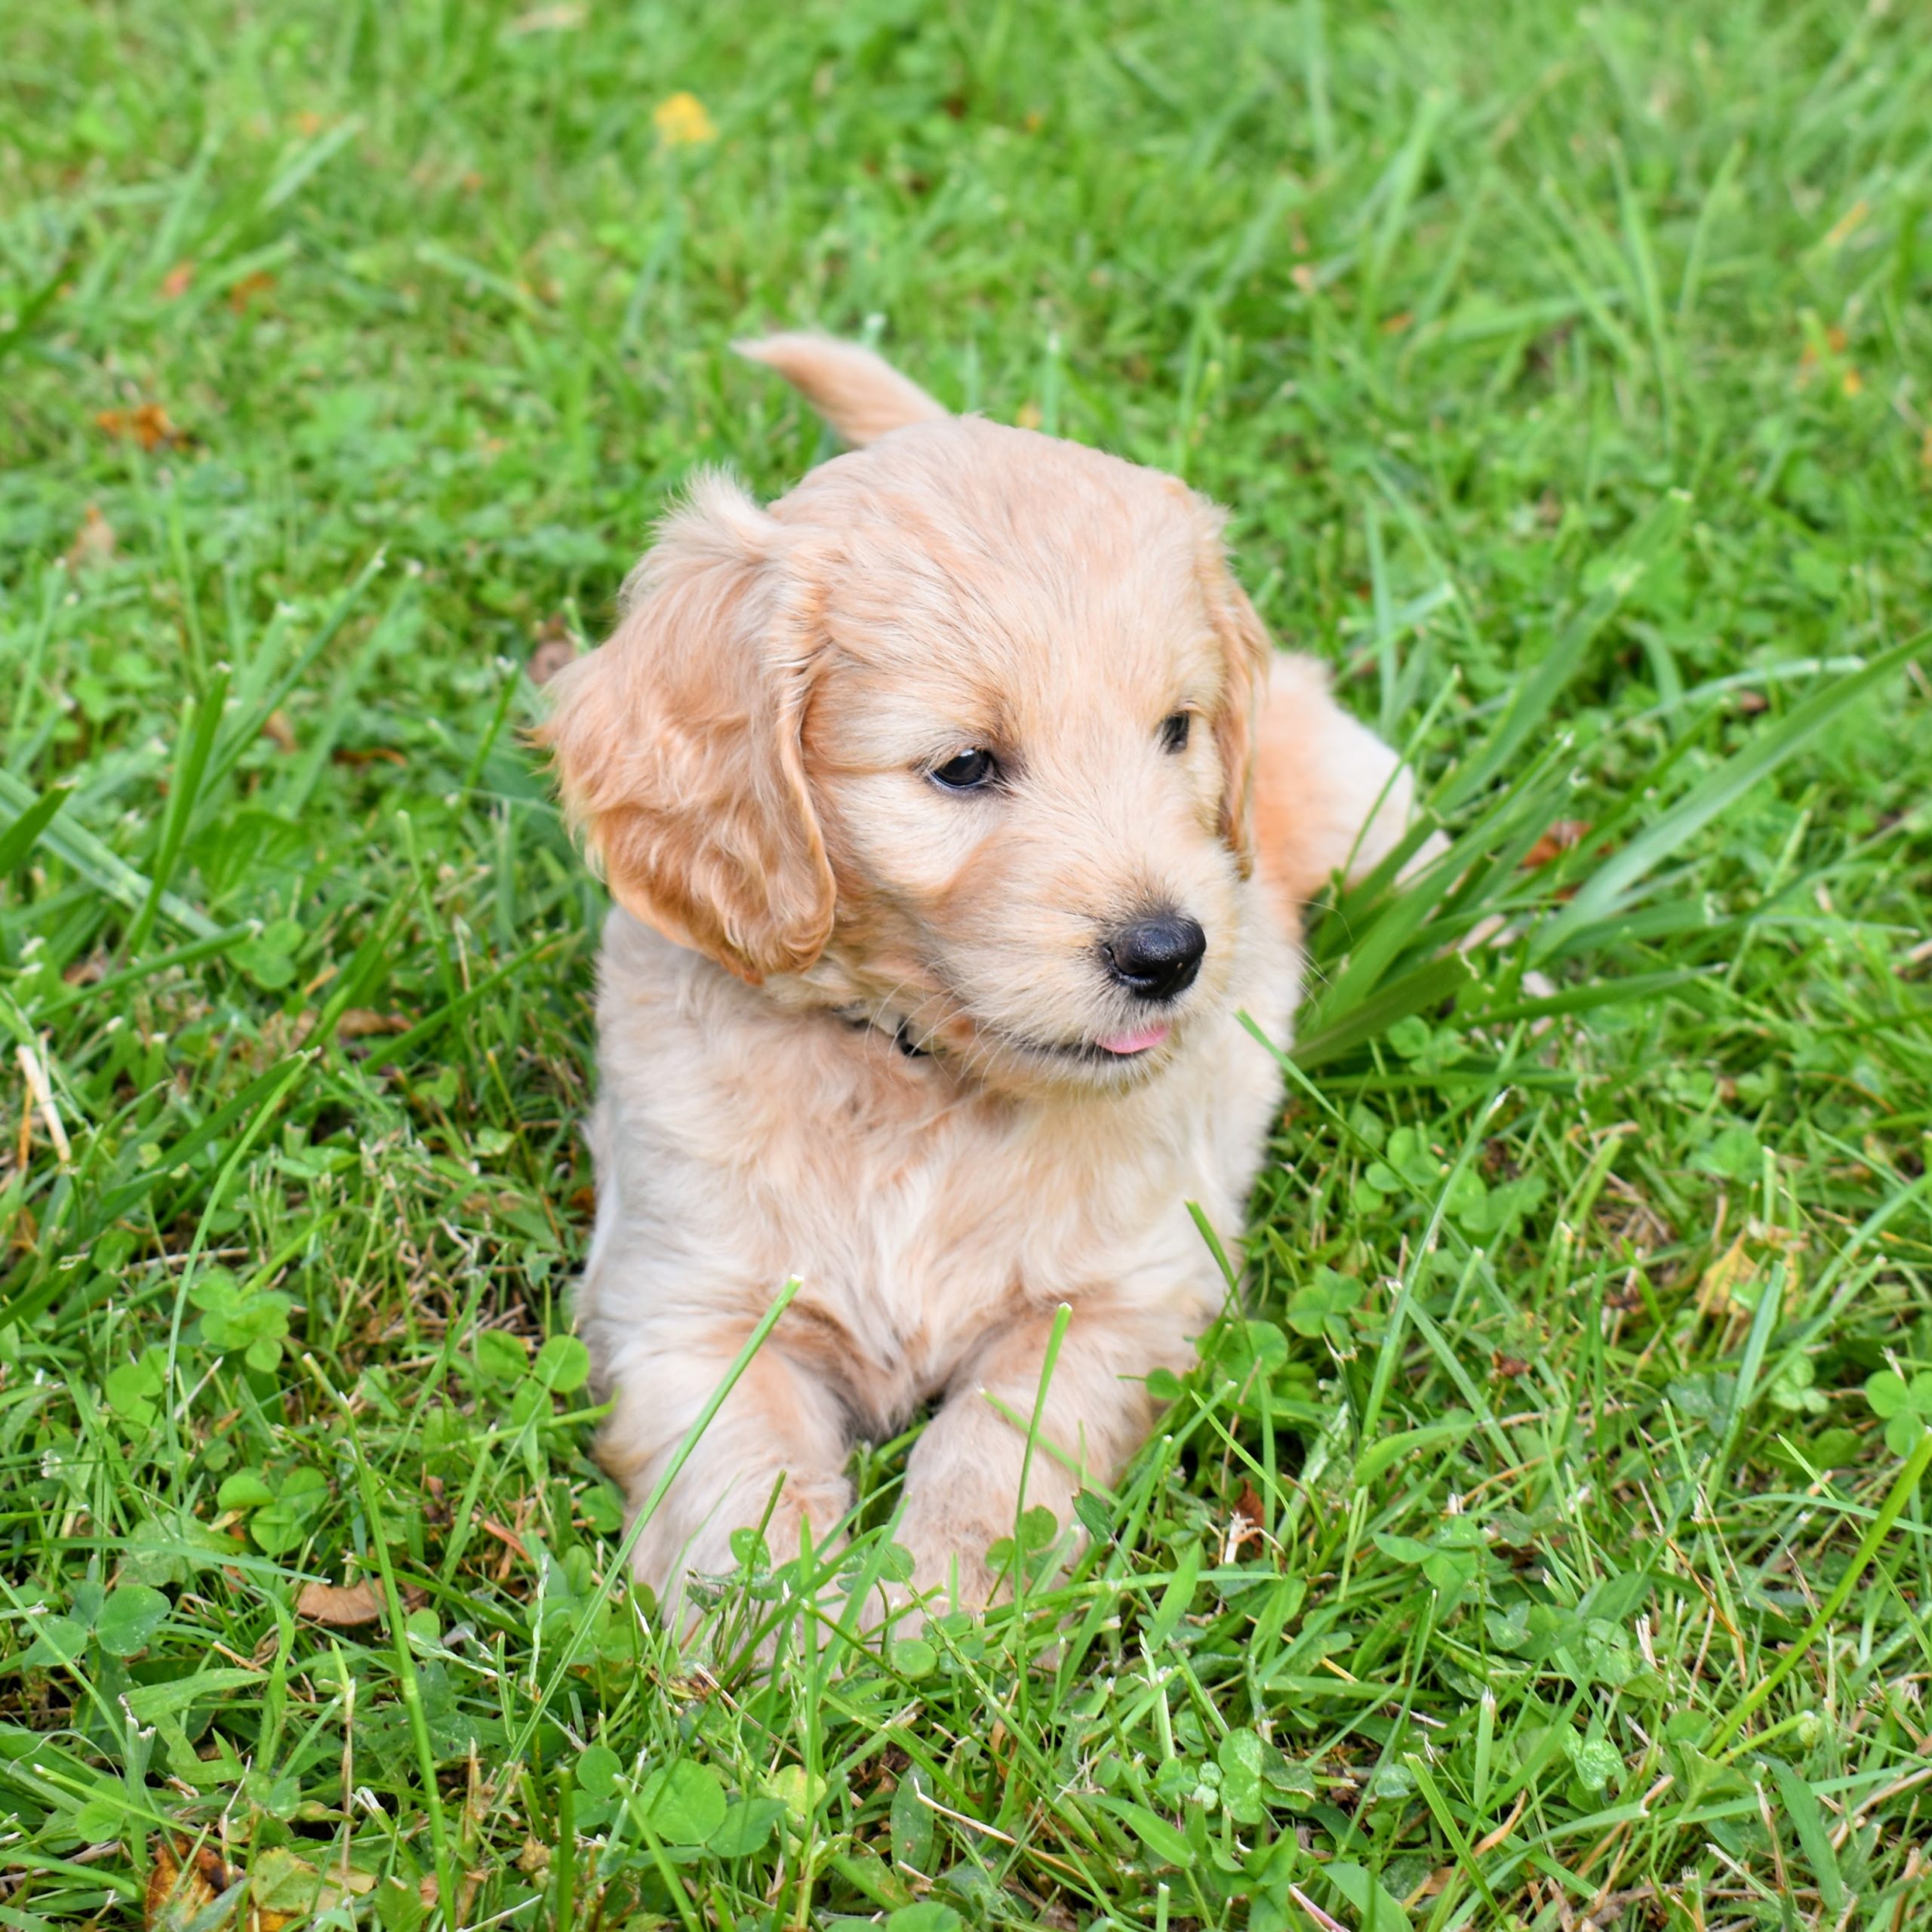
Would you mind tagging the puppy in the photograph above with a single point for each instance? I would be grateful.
(954, 805)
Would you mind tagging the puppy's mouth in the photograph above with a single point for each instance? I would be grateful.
(1109, 1050)
(1144, 1040)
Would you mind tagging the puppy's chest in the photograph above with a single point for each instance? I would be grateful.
(913, 1230)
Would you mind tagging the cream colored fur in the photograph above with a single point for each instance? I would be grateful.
(799, 902)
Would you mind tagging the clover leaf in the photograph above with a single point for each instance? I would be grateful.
(234, 1318)
(1905, 1407)
(1323, 1307)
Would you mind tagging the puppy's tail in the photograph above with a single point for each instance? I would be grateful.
(859, 394)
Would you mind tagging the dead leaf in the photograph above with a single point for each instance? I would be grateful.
(147, 424)
(342, 1609)
(346, 754)
(1245, 1523)
(1435, 1883)
(94, 542)
(1508, 1367)
(277, 729)
(508, 1538)
(176, 281)
(183, 1883)
(345, 1607)
(359, 1022)
(283, 1888)
(1717, 1291)
(241, 294)
(1752, 702)
(1560, 837)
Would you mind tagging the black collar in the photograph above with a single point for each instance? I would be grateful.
(902, 1032)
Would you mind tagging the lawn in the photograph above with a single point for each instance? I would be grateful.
(1547, 1547)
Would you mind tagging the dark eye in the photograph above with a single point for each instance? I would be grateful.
(970, 771)
(1174, 731)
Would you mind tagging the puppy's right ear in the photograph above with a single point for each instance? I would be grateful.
(678, 743)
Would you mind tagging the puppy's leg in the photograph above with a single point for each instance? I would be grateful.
(962, 1486)
(1329, 795)
(780, 1421)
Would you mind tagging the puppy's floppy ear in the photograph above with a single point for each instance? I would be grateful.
(1245, 652)
(678, 742)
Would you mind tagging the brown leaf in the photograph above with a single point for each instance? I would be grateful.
(1717, 1289)
(94, 542)
(359, 1022)
(162, 1875)
(508, 1538)
(182, 1884)
(276, 728)
(1565, 833)
(344, 1607)
(346, 754)
(242, 292)
(1245, 1523)
(1508, 1367)
(147, 424)
(341, 1608)
(1752, 702)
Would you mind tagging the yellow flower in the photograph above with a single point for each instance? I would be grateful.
(681, 122)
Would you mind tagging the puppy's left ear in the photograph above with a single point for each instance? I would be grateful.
(1245, 652)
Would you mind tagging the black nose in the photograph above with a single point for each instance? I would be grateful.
(1156, 958)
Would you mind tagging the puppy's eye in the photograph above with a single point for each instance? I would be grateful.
(970, 771)
(1174, 731)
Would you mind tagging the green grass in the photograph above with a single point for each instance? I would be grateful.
(1590, 1581)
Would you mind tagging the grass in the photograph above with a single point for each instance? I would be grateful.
(1548, 1547)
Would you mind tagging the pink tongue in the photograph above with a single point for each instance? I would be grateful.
(1134, 1043)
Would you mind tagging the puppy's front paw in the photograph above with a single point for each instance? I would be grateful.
(805, 1511)
(964, 1560)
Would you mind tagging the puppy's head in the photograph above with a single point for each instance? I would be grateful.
(956, 737)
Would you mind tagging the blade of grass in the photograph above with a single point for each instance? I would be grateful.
(1609, 886)
(1904, 1488)
(198, 728)
(105, 870)
(20, 838)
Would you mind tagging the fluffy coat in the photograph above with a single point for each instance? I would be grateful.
(858, 1027)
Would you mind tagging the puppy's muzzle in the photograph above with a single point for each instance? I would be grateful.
(1155, 958)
